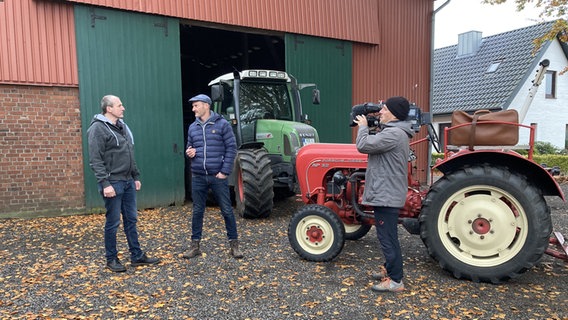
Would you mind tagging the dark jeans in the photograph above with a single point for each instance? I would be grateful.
(200, 185)
(386, 223)
(124, 202)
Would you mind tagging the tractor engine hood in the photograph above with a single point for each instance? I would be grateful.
(284, 137)
(314, 161)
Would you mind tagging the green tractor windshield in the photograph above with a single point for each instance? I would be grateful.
(258, 100)
(264, 101)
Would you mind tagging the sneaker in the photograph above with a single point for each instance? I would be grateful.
(144, 260)
(381, 274)
(388, 285)
(115, 265)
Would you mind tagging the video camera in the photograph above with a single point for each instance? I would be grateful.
(415, 115)
(364, 109)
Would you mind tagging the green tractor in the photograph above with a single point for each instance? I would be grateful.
(265, 111)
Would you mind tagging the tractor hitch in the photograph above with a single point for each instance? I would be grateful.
(558, 247)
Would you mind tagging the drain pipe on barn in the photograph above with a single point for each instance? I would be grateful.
(432, 48)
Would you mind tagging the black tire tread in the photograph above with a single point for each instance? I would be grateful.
(258, 185)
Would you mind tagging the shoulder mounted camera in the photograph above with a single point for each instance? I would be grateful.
(364, 109)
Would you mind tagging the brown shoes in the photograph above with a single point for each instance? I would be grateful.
(193, 251)
(234, 251)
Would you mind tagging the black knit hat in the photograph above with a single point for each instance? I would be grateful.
(399, 107)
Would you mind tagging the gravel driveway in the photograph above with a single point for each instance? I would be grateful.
(53, 268)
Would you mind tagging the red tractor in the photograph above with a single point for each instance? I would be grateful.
(484, 219)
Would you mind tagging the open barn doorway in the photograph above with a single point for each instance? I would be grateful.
(207, 53)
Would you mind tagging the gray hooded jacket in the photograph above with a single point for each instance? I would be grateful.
(387, 169)
(111, 151)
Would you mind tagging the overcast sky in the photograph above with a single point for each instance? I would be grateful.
(461, 16)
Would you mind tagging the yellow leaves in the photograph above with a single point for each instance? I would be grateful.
(311, 304)
(537, 288)
(67, 279)
(348, 281)
(401, 312)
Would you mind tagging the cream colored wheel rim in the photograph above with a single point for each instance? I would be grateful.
(314, 234)
(483, 226)
(351, 228)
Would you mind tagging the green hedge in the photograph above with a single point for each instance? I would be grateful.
(550, 160)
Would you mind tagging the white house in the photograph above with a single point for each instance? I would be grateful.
(497, 73)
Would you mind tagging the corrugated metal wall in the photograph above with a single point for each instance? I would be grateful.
(354, 20)
(136, 57)
(400, 65)
(37, 43)
(327, 63)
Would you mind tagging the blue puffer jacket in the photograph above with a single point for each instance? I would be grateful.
(215, 145)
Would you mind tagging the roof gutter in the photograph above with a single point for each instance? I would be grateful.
(433, 32)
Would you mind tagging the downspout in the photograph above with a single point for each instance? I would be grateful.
(428, 174)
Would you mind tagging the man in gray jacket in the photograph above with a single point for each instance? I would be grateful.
(111, 157)
(386, 183)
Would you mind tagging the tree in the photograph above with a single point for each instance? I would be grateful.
(550, 9)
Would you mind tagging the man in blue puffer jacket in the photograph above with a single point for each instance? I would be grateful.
(212, 148)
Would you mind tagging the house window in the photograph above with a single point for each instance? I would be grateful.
(493, 67)
(550, 84)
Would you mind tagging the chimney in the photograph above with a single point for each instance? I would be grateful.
(468, 43)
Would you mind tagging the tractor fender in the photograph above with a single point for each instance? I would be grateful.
(514, 161)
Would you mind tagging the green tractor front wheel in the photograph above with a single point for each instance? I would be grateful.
(254, 187)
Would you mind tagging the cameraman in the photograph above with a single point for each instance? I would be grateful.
(386, 183)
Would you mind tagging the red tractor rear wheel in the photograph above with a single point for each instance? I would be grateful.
(356, 231)
(316, 233)
(485, 223)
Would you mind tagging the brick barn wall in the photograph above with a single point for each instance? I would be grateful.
(41, 168)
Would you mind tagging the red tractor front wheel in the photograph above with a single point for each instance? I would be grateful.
(316, 233)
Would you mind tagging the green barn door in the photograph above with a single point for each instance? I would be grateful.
(327, 63)
(136, 57)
